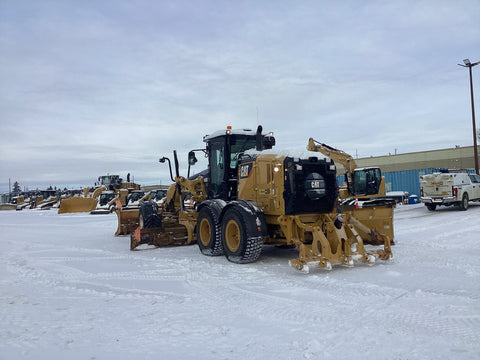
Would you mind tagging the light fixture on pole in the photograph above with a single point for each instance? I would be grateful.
(475, 150)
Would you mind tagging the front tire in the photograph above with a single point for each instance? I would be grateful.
(148, 217)
(464, 203)
(238, 247)
(208, 233)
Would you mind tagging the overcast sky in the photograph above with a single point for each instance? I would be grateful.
(94, 87)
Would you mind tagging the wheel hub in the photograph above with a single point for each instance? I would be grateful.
(205, 232)
(232, 236)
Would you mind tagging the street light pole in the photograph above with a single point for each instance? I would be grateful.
(475, 150)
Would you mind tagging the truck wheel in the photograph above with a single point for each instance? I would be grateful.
(431, 207)
(148, 217)
(238, 247)
(464, 203)
(208, 233)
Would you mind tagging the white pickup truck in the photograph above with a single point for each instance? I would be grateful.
(452, 188)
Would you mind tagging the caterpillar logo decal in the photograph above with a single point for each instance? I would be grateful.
(245, 170)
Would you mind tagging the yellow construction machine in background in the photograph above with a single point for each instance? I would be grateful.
(35, 199)
(362, 195)
(46, 199)
(249, 197)
(17, 203)
(85, 203)
(88, 202)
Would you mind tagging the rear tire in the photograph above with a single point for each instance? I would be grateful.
(238, 247)
(431, 207)
(464, 203)
(208, 233)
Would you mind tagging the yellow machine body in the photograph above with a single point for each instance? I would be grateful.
(314, 234)
(270, 207)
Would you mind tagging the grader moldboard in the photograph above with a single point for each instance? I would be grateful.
(249, 197)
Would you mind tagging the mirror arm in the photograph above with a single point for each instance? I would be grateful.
(162, 160)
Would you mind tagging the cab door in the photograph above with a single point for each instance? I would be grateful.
(475, 179)
(216, 163)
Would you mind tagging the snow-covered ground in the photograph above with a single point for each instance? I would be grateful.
(70, 289)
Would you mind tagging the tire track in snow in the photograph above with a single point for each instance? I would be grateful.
(56, 273)
(296, 298)
(463, 328)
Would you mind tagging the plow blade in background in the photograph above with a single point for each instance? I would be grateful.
(77, 204)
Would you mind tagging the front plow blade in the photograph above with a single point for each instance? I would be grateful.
(168, 235)
(337, 245)
(127, 221)
(372, 218)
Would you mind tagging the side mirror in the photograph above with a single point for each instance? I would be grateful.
(192, 159)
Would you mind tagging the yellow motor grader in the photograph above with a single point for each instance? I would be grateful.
(249, 197)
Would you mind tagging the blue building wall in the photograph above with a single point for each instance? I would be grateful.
(406, 180)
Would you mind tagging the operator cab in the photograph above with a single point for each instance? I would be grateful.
(106, 197)
(111, 182)
(366, 181)
(223, 150)
(48, 194)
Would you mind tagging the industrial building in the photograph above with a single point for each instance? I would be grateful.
(402, 171)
